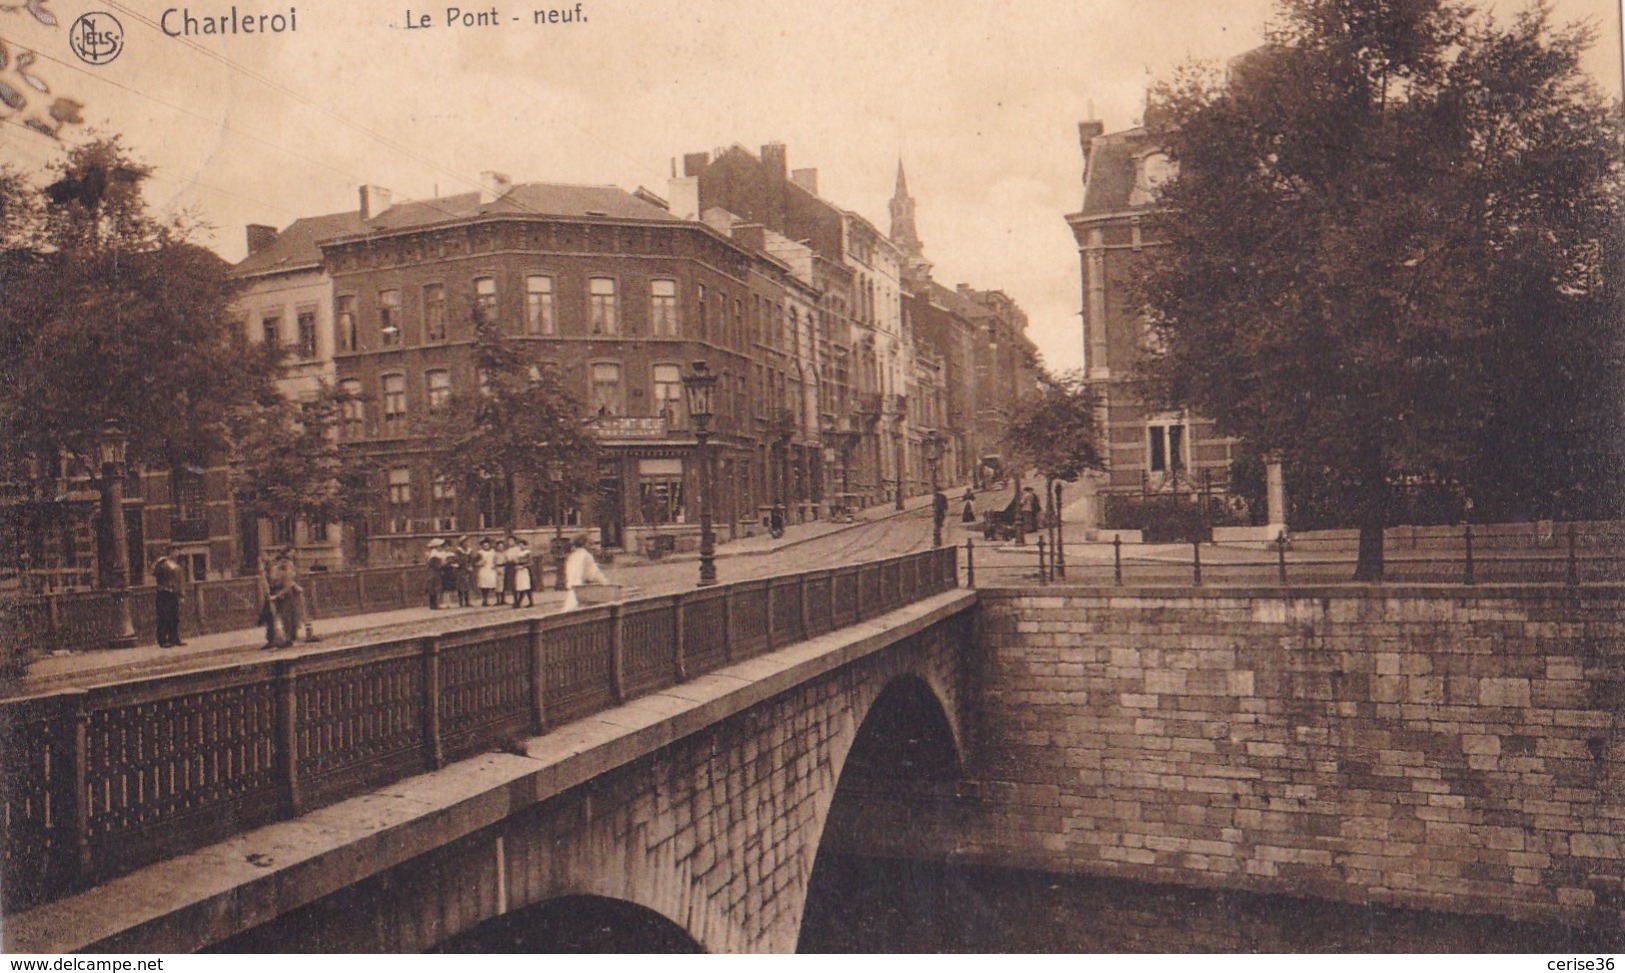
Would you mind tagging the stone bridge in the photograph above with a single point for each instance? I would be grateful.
(1450, 749)
(702, 802)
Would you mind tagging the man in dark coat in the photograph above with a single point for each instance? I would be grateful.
(167, 575)
(1030, 508)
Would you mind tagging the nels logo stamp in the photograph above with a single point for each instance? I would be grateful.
(97, 38)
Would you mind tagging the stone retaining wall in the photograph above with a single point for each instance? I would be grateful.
(1462, 751)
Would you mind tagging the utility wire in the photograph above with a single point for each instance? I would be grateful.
(404, 150)
(155, 173)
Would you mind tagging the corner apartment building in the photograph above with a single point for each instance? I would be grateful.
(1149, 449)
(609, 288)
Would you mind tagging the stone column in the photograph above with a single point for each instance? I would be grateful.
(1276, 490)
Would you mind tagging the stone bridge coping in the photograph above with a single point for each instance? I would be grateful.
(215, 892)
(1589, 591)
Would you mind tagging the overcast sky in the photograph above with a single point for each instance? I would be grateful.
(980, 100)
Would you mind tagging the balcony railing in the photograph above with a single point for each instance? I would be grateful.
(102, 781)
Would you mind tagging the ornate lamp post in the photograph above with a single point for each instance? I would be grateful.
(111, 446)
(555, 473)
(902, 448)
(933, 444)
(700, 387)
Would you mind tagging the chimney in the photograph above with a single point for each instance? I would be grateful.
(684, 193)
(776, 160)
(260, 237)
(693, 162)
(493, 185)
(1087, 133)
(752, 236)
(807, 179)
(718, 219)
(374, 200)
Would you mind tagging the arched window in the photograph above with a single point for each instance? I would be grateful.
(603, 314)
(668, 381)
(438, 382)
(663, 308)
(394, 404)
(539, 305)
(605, 395)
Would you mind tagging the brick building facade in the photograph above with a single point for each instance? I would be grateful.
(1149, 449)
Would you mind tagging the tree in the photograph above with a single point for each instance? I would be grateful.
(111, 314)
(1055, 431)
(514, 428)
(1393, 252)
(116, 316)
(289, 463)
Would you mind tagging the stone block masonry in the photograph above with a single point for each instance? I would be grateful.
(1429, 748)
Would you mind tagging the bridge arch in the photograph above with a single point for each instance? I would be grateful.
(576, 924)
(906, 731)
(905, 750)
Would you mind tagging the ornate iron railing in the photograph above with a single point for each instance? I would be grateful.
(32, 625)
(100, 781)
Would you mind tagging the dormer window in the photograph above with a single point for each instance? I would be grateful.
(1151, 172)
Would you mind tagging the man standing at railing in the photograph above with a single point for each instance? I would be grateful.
(285, 603)
(166, 574)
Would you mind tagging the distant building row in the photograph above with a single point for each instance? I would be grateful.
(837, 353)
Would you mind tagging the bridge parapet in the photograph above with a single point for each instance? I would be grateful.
(98, 782)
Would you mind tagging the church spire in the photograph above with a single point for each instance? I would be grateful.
(903, 232)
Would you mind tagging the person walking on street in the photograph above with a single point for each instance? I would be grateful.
(485, 577)
(435, 562)
(1030, 508)
(580, 568)
(510, 570)
(284, 613)
(464, 559)
(967, 513)
(519, 563)
(166, 574)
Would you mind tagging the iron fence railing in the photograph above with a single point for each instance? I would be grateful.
(1465, 564)
(100, 781)
(34, 625)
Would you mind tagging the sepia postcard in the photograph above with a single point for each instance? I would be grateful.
(618, 418)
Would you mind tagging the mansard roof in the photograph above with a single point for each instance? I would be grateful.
(1113, 169)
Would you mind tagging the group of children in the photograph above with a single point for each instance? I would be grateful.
(502, 575)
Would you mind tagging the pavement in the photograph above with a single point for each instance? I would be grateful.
(96, 667)
(996, 561)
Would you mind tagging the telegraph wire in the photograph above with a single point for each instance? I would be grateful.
(404, 150)
(187, 111)
(155, 173)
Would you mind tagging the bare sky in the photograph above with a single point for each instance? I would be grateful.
(980, 100)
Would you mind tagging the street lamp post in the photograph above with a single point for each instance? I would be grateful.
(700, 387)
(555, 473)
(111, 447)
(933, 444)
(902, 447)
